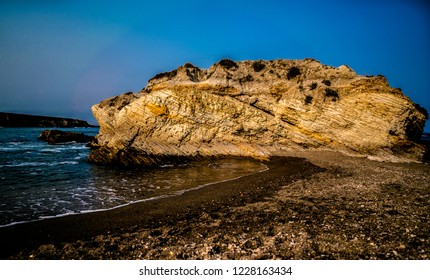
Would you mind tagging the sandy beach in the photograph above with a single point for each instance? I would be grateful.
(309, 205)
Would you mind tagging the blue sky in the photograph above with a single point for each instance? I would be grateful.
(60, 57)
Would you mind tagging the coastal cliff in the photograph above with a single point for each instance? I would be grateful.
(23, 120)
(258, 109)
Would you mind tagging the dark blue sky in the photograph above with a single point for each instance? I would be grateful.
(61, 57)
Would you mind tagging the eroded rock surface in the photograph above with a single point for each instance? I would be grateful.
(258, 109)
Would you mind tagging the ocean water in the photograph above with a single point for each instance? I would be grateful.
(39, 181)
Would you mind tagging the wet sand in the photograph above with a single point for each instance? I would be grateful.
(311, 205)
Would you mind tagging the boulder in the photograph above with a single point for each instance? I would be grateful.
(58, 137)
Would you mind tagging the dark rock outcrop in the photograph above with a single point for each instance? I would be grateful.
(58, 137)
(23, 120)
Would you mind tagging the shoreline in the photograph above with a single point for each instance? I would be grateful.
(309, 205)
(164, 196)
(57, 230)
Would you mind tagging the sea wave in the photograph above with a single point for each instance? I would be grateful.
(23, 147)
(26, 164)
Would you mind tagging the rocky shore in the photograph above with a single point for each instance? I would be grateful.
(314, 205)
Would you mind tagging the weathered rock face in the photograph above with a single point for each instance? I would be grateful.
(257, 109)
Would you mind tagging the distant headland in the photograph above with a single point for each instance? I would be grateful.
(23, 120)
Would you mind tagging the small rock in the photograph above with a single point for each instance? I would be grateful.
(59, 136)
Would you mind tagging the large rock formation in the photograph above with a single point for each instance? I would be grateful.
(258, 109)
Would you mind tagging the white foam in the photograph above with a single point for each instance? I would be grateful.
(15, 148)
(65, 162)
(8, 149)
(25, 164)
(51, 150)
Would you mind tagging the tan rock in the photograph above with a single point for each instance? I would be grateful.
(257, 109)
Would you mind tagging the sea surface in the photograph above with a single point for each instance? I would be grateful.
(39, 181)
